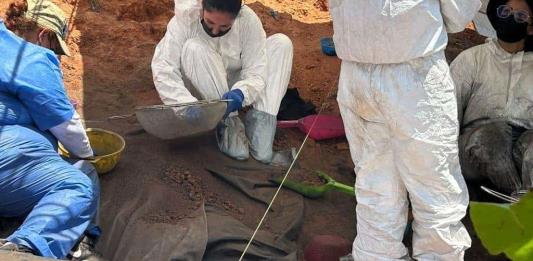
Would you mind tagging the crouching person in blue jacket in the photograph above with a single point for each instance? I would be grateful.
(59, 200)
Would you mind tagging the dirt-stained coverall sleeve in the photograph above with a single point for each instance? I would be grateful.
(463, 73)
(458, 13)
(166, 64)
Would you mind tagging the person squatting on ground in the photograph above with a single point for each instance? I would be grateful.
(58, 200)
(398, 104)
(218, 49)
(494, 91)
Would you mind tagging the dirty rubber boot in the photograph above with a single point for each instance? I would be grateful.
(231, 138)
(12, 247)
(85, 251)
(260, 130)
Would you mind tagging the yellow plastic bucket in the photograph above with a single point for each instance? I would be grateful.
(107, 146)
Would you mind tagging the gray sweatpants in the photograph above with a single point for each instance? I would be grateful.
(499, 153)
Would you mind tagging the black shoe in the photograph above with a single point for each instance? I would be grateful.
(12, 247)
(85, 251)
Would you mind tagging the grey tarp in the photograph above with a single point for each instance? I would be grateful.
(209, 233)
(135, 191)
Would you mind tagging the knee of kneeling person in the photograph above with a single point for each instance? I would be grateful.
(527, 159)
(281, 42)
(195, 46)
(84, 185)
(488, 142)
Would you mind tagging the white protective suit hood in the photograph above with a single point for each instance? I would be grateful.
(482, 23)
(187, 10)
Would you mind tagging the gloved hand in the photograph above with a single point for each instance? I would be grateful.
(236, 96)
(193, 113)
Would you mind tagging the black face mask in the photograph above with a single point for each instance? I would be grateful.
(208, 30)
(510, 31)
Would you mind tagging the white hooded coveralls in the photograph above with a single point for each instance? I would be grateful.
(398, 104)
(492, 83)
(189, 64)
(494, 90)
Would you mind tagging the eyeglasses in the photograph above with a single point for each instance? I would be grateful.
(520, 16)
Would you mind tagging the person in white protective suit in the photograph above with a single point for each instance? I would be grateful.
(399, 109)
(495, 100)
(218, 49)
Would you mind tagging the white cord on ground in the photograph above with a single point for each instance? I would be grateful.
(285, 176)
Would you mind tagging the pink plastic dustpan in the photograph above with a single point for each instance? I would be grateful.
(326, 126)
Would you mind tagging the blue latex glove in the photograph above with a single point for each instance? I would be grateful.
(193, 113)
(236, 96)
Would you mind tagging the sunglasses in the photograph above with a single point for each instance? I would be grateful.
(520, 16)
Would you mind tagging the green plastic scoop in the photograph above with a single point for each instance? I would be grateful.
(315, 191)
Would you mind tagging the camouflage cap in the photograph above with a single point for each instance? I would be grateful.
(49, 16)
